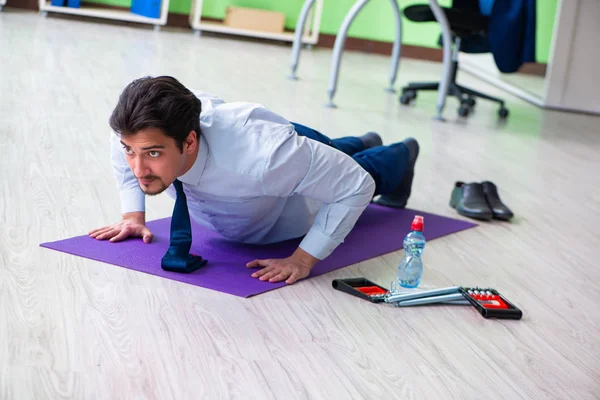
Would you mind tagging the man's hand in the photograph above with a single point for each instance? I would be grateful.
(293, 268)
(132, 225)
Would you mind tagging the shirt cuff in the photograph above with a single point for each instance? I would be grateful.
(318, 244)
(132, 200)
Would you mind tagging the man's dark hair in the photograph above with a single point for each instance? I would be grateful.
(161, 102)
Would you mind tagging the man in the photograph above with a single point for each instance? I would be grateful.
(248, 173)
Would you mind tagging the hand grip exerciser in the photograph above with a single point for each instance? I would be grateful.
(488, 301)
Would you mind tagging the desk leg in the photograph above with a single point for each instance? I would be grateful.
(298, 36)
(447, 69)
(338, 47)
(397, 46)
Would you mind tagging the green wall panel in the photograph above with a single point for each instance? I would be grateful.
(545, 15)
(375, 22)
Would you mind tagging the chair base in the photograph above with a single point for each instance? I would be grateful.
(465, 96)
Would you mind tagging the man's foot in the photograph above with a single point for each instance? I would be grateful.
(371, 139)
(399, 198)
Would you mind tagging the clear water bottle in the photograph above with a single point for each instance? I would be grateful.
(410, 269)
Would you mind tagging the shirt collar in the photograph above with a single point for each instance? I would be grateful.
(193, 175)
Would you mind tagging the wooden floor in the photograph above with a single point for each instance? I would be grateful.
(72, 328)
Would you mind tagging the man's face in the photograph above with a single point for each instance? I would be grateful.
(155, 159)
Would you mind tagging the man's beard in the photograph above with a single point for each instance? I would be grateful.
(153, 192)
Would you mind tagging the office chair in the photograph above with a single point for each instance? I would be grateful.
(467, 25)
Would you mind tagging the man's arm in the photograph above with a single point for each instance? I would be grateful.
(318, 171)
(132, 197)
(133, 221)
(302, 166)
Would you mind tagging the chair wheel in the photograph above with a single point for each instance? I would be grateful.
(470, 101)
(404, 99)
(464, 110)
(503, 112)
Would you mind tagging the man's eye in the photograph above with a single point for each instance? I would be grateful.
(154, 153)
(128, 151)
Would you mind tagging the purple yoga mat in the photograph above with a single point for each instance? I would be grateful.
(379, 230)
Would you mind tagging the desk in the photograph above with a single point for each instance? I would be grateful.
(396, 52)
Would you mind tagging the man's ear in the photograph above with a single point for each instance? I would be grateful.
(191, 142)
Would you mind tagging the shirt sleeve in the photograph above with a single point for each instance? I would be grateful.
(132, 197)
(298, 165)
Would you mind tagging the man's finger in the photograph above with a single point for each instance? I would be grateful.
(120, 236)
(147, 236)
(270, 274)
(279, 277)
(107, 234)
(257, 263)
(100, 231)
(262, 271)
(293, 278)
(95, 231)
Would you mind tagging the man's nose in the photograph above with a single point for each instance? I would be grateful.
(140, 168)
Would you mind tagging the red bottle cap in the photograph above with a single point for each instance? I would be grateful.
(418, 224)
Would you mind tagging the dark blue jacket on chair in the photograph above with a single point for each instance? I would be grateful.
(511, 33)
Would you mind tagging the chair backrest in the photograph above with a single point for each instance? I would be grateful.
(470, 5)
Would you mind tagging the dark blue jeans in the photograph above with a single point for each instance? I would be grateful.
(386, 164)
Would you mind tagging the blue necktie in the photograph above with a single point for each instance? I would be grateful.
(178, 257)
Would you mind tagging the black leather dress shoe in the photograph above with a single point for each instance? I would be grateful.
(499, 210)
(469, 200)
(399, 198)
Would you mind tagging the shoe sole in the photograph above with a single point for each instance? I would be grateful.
(475, 216)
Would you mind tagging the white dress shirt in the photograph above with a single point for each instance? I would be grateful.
(256, 180)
